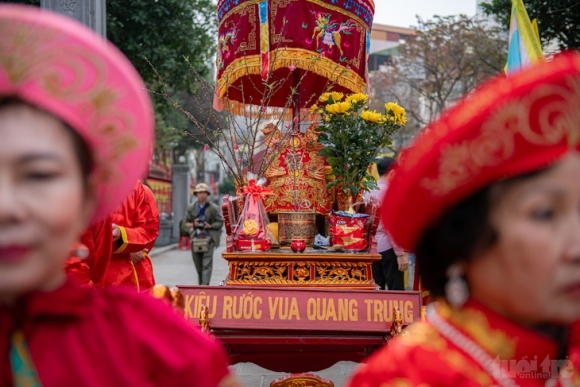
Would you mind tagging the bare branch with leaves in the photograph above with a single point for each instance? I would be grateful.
(445, 59)
(237, 140)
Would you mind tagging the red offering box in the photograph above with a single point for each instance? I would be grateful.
(258, 245)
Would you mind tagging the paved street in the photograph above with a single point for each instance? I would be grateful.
(175, 267)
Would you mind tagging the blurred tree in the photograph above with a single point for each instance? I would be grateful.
(165, 32)
(445, 59)
(227, 186)
(558, 20)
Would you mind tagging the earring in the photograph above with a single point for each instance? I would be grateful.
(456, 291)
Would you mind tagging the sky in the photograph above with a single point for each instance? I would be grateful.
(401, 13)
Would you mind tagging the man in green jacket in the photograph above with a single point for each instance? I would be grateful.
(203, 219)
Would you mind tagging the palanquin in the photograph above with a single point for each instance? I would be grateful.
(300, 312)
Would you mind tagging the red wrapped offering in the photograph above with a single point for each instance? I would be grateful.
(252, 232)
(355, 244)
(348, 230)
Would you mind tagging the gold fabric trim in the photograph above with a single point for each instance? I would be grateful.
(424, 336)
(270, 113)
(124, 239)
(303, 59)
(135, 275)
(474, 322)
(322, 66)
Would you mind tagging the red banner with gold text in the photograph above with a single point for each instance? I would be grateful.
(300, 309)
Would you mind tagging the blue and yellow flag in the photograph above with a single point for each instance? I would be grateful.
(525, 47)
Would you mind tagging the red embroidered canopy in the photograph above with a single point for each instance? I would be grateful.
(283, 43)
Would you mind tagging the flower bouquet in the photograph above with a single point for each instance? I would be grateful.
(352, 136)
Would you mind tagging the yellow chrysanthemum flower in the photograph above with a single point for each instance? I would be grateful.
(313, 108)
(371, 116)
(399, 113)
(335, 96)
(338, 108)
(358, 97)
(395, 108)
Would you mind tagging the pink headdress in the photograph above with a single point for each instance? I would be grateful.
(62, 67)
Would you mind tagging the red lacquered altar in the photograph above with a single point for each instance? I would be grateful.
(299, 329)
(312, 268)
(300, 312)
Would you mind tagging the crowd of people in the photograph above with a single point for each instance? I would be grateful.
(488, 197)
